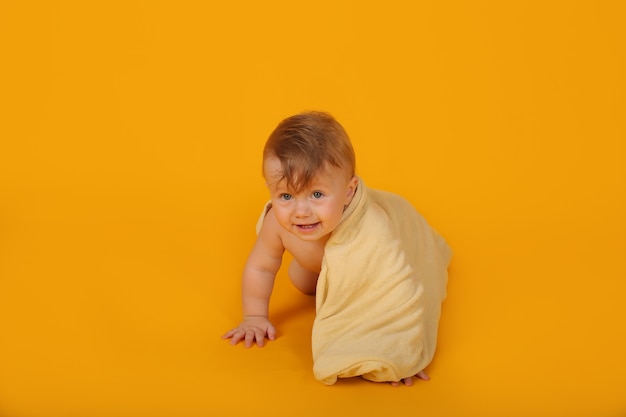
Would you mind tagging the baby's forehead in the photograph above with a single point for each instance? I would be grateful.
(276, 176)
(272, 167)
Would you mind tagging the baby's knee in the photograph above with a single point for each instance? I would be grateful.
(303, 279)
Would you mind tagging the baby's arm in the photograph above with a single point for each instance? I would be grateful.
(257, 284)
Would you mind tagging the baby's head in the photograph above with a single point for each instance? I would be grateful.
(305, 145)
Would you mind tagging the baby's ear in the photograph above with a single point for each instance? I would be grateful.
(354, 181)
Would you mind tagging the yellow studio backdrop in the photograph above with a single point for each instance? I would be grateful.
(130, 149)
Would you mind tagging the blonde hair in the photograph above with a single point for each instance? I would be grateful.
(305, 144)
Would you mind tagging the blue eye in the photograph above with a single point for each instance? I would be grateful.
(317, 194)
(285, 197)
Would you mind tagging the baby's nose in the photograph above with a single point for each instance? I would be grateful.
(302, 208)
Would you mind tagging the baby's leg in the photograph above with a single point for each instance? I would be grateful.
(302, 278)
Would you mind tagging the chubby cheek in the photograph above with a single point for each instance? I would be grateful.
(282, 216)
(332, 215)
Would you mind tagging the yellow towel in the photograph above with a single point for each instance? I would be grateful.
(379, 292)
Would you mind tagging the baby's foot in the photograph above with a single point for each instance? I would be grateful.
(409, 381)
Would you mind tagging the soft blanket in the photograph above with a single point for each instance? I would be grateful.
(379, 292)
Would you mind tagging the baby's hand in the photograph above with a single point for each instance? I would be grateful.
(409, 381)
(251, 329)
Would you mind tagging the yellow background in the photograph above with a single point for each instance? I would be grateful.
(130, 142)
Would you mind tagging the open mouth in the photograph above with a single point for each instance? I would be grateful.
(307, 227)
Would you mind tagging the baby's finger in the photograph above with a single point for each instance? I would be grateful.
(249, 338)
(236, 336)
(271, 333)
(229, 334)
(260, 337)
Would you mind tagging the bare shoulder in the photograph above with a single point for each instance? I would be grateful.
(270, 234)
(268, 249)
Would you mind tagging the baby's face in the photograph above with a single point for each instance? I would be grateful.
(316, 211)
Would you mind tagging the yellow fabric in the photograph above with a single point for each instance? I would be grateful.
(379, 292)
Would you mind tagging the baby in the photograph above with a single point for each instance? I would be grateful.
(347, 246)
